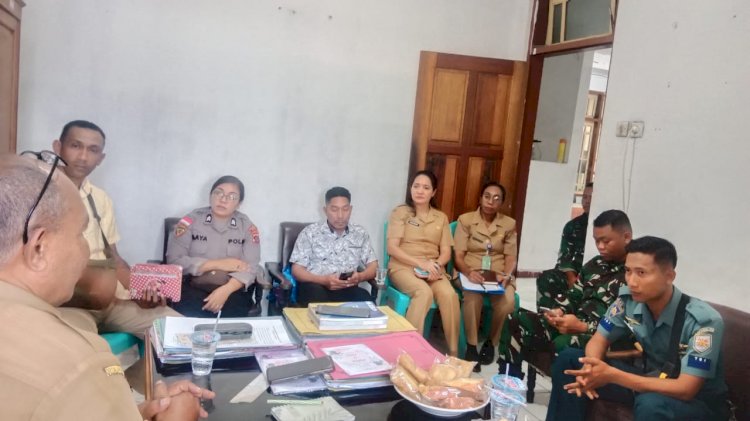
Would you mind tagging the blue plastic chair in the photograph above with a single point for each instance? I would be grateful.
(487, 320)
(121, 341)
(396, 299)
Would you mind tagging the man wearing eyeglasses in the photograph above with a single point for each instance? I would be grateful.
(100, 300)
(49, 369)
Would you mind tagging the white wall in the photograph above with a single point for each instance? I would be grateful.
(549, 196)
(291, 97)
(558, 96)
(682, 68)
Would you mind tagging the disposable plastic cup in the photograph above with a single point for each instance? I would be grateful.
(204, 350)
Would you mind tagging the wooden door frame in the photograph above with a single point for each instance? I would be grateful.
(538, 51)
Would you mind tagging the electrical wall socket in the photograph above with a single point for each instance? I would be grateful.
(636, 129)
(623, 129)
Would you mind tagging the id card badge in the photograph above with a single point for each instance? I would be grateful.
(486, 259)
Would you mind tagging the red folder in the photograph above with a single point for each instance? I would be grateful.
(389, 346)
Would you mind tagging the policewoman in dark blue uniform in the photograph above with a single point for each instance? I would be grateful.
(682, 375)
(218, 248)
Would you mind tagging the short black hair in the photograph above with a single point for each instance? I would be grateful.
(660, 249)
(338, 191)
(617, 219)
(433, 179)
(491, 184)
(81, 124)
(231, 180)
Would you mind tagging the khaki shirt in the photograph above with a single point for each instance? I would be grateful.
(49, 370)
(105, 209)
(472, 236)
(199, 237)
(421, 238)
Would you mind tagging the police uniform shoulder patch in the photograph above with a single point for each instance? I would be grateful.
(702, 342)
(253, 230)
(606, 324)
(618, 307)
(182, 226)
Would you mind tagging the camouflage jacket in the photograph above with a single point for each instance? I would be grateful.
(570, 256)
(595, 290)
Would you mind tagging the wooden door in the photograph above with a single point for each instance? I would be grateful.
(10, 36)
(467, 126)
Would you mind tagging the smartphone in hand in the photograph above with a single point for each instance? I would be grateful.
(346, 275)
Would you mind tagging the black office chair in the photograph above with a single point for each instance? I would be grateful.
(281, 285)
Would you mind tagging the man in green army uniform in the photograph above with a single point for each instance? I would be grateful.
(556, 282)
(681, 338)
(575, 316)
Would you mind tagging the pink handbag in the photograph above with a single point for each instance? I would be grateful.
(165, 278)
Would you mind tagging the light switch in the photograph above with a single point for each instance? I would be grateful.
(623, 128)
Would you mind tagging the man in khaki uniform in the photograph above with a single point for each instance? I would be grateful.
(480, 233)
(424, 239)
(81, 145)
(49, 369)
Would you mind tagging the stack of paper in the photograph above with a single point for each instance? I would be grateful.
(170, 337)
(302, 325)
(299, 385)
(362, 363)
(377, 319)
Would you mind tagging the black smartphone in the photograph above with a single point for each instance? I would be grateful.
(299, 369)
(345, 275)
(229, 330)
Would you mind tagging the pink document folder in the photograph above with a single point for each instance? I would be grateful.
(389, 346)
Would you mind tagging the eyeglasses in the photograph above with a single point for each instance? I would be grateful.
(232, 197)
(52, 159)
(490, 198)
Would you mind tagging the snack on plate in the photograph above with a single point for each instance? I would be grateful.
(464, 367)
(405, 382)
(458, 402)
(446, 385)
(440, 373)
(474, 388)
(405, 360)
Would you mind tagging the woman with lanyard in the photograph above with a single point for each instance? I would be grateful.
(485, 244)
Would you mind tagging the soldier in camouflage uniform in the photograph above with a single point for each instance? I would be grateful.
(553, 283)
(575, 316)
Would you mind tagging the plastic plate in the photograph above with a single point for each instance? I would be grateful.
(442, 412)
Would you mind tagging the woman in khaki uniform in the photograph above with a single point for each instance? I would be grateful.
(482, 232)
(419, 238)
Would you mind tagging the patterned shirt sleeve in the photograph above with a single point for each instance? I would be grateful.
(368, 253)
(302, 248)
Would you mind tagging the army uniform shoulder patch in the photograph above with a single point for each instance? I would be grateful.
(182, 226)
(702, 342)
(618, 307)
